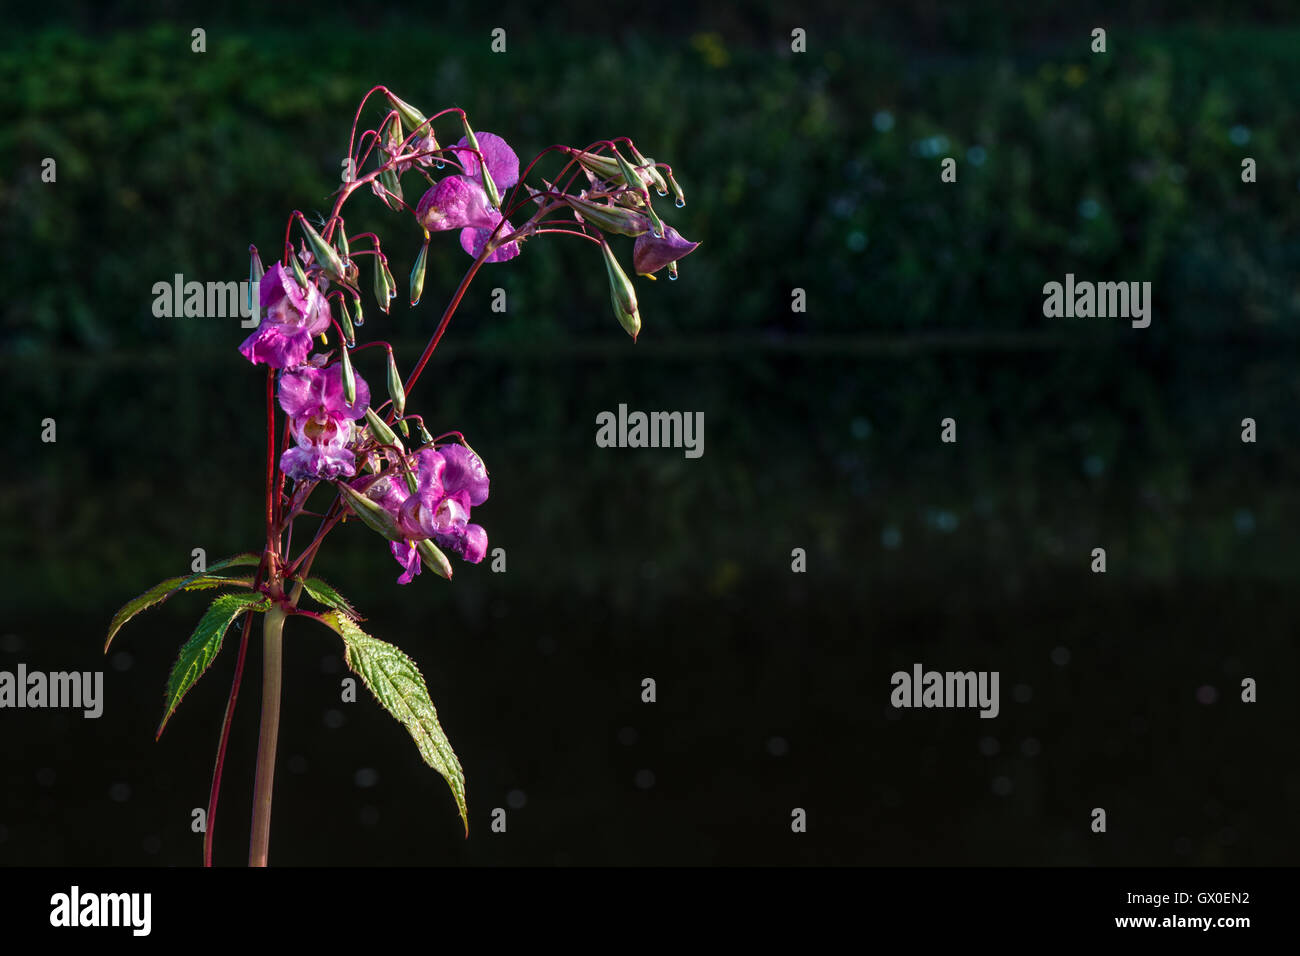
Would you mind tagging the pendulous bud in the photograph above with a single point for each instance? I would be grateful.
(255, 273)
(372, 514)
(383, 284)
(395, 390)
(323, 252)
(615, 219)
(417, 271)
(434, 559)
(621, 294)
(413, 117)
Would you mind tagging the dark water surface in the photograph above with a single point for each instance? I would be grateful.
(1118, 690)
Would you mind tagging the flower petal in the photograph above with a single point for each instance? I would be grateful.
(464, 472)
(502, 162)
(455, 202)
(473, 241)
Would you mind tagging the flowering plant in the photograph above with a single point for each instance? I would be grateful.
(333, 437)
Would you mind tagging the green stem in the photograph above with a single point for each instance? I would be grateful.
(272, 658)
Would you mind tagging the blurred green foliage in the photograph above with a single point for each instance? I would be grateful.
(817, 171)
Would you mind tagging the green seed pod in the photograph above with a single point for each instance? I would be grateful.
(434, 559)
(371, 513)
(413, 117)
(614, 219)
(349, 376)
(383, 288)
(300, 275)
(380, 430)
(326, 256)
(417, 272)
(395, 390)
(646, 169)
(345, 323)
(255, 273)
(621, 294)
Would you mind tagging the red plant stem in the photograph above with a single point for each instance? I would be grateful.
(215, 792)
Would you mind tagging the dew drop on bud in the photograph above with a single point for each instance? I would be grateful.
(439, 164)
(681, 203)
(672, 270)
(662, 192)
(359, 321)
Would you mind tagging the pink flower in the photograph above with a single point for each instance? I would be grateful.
(291, 316)
(460, 202)
(321, 421)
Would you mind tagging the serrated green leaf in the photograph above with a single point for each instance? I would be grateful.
(396, 682)
(326, 594)
(189, 582)
(204, 644)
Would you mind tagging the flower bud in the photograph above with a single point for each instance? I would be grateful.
(372, 514)
(647, 171)
(413, 117)
(489, 186)
(322, 251)
(345, 254)
(417, 271)
(383, 288)
(621, 294)
(349, 376)
(392, 194)
(301, 276)
(606, 167)
(349, 333)
(614, 219)
(380, 430)
(395, 390)
(255, 273)
(434, 559)
(677, 190)
(630, 177)
(392, 133)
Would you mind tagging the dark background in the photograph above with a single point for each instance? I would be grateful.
(817, 171)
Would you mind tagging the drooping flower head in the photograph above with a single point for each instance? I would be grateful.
(321, 421)
(291, 315)
(460, 202)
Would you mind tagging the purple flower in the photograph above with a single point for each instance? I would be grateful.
(459, 202)
(321, 422)
(464, 473)
(448, 482)
(650, 254)
(408, 558)
(291, 315)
